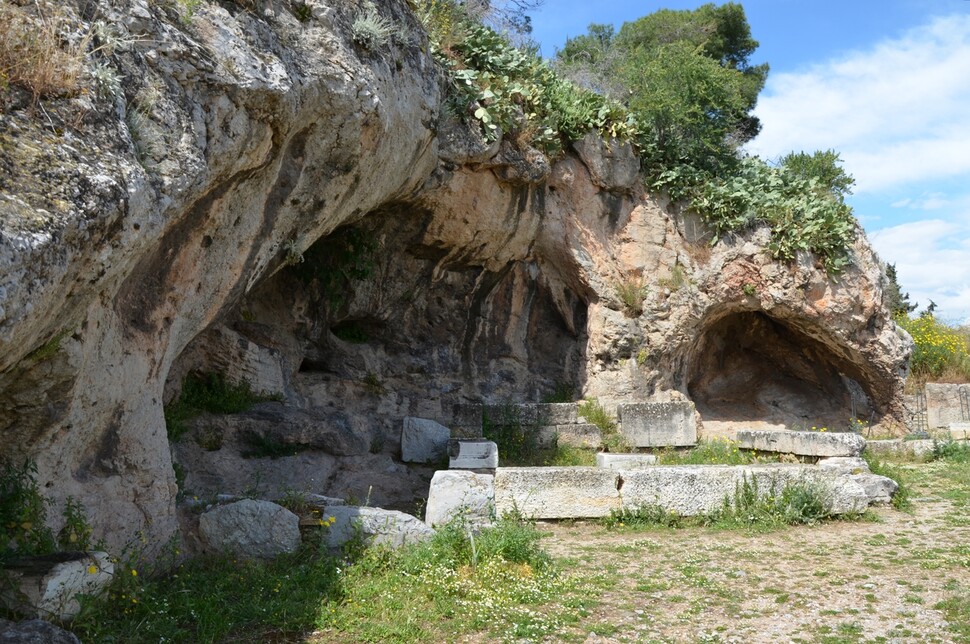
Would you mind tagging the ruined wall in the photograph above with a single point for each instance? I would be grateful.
(161, 231)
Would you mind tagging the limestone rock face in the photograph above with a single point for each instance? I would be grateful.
(268, 200)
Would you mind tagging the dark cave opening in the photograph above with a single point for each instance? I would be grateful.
(750, 370)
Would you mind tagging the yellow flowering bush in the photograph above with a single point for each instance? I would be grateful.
(939, 349)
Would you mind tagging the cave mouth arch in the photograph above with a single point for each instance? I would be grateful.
(748, 370)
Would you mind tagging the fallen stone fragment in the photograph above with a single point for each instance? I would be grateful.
(879, 489)
(34, 631)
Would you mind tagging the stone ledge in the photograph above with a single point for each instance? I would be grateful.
(803, 443)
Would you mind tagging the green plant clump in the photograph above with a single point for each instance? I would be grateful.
(207, 392)
(952, 451)
(595, 414)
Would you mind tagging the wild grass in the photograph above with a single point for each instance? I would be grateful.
(456, 583)
(596, 414)
(632, 292)
(207, 392)
(36, 51)
(902, 500)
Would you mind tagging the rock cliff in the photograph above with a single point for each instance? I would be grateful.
(267, 198)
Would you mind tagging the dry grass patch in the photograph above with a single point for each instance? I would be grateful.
(40, 49)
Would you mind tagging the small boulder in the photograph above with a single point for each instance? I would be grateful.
(424, 441)
(34, 631)
(251, 529)
(375, 526)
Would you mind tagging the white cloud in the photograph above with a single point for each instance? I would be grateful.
(932, 259)
(897, 112)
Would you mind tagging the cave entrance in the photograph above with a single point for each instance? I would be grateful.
(750, 371)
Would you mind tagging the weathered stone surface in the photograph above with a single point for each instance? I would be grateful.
(959, 431)
(424, 441)
(803, 443)
(843, 464)
(467, 420)
(943, 405)
(612, 164)
(557, 413)
(251, 529)
(879, 489)
(375, 525)
(34, 631)
(920, 448)
(662, 424)
(624, 461)
(574, 435)
(47, 586)
(472, 454)
(582, 492)
(456, 493)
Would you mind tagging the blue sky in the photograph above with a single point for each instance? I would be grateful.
(885, 83)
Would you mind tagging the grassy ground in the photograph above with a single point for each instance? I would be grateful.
(891, 576)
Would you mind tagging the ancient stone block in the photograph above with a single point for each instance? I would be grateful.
(47, 586)
(376, 526)
(460, 493)
(803, 443)
(661, 424)
(466, 420)
(557, 413)
(251, 529)
(424, 441)
(919, 448)
(689, 490)
(625, 461)
(472, 454)
(879, 489)
(943, 405)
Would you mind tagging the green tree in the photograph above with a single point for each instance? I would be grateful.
(823, 167)
(896, 301)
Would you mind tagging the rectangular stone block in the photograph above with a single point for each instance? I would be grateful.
(472, 454)
(943, 404)
(512, 414)
(663, 424)
(688, 490)
(423, 440)
(919, 448)
(466, 420)
(625, 461)
(803, 443)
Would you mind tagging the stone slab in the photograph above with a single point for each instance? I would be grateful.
(802, 443)
(625, 461)
(689, 490)
(472, 454)
(461, 494)
(557, 413)
(879, 489)
(844, 464)
(424, 441)
(660, 424)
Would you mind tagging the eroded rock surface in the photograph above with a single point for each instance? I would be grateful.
(271, 201)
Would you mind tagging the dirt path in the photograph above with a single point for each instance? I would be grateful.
(837, 582)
